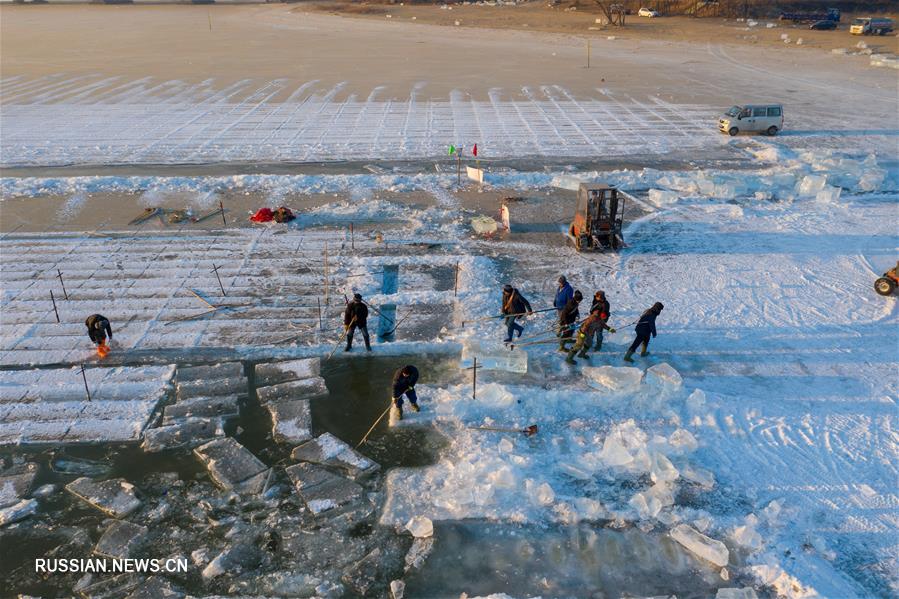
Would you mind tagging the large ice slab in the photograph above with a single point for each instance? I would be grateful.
(16, 482)
(208, 387)
(119, 539)
(300, 389)
(115, 496)
(291, 420)
(222, 407)
(493, 356)
(17, 511)
(320, 489)
(232, 466)
(700, 545)
(328, 450)
(664, 376)
(274, 373)
(614, 379)
(225, 370)
(186, 433)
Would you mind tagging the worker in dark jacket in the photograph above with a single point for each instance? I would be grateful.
(646, 326)
(98, 328)
(568, 316)
(584, 334)
(404, 381)
(600, 301)
(356, 317)
(563, 294)
(515, 306)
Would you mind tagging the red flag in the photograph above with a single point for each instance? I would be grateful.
(474, 150)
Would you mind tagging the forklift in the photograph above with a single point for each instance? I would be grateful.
(598, 218)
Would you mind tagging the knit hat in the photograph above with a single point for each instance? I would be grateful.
(357, 297)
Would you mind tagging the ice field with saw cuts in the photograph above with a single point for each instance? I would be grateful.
(753, 453)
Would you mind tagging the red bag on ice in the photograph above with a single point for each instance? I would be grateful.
(263, 215)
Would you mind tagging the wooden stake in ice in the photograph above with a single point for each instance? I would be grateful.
(456, 281)
(321, 326)
(84, 378)
(55, 311)
(61, 282)
(474, 377)
(221, 205)
(215, 269)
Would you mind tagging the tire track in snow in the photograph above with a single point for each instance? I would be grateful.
(46, 91)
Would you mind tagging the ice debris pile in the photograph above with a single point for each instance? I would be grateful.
(821, 175)
(573, 470)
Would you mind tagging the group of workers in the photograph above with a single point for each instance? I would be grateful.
(577, 337)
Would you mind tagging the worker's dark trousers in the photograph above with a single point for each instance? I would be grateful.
(349, 335)
(512, 326)
(413, 399)
(597, 338)
(98, 337)
(641, 338)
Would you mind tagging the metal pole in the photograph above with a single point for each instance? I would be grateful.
(588, 52)
(222, 209)
(456, 281)
(352, 237)
(61, 282)
(84, 377)
(474, 379)
(215, 269)
(53, 299)
(321, 327)
(327, 274)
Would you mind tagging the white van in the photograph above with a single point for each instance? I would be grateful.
(761, 118)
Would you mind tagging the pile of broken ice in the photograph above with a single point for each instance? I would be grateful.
(821, 175)
(579, 467)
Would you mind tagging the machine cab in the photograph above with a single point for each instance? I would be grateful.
(598, 217)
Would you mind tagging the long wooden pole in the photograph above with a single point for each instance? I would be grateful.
(215, 269)
(86, 389)
(61, 282)
(381, 417)
(53, 299)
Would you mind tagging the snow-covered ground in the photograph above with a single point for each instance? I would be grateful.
(60, 122)
(763, 418)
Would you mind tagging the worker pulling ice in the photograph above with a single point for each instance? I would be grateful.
(356, 317)
(568, 317)
(404, 381)
(98, 329)
(600, 301)
(585, 334)
(514, 307)
(646, 326)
